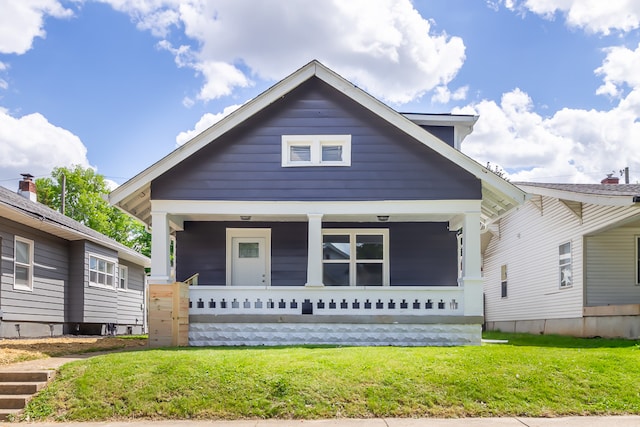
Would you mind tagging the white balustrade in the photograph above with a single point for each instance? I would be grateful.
(283, 300)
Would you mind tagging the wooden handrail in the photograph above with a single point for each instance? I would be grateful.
(193, 280)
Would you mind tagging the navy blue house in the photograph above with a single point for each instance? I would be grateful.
(317, 214)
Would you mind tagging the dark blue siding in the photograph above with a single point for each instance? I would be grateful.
(245, 163)
(445, 133)
(421, 254)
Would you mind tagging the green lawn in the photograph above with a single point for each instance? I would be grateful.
(529, 376)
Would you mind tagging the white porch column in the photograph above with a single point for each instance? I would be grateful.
(160, 257)
(314, 251)
(471, 267)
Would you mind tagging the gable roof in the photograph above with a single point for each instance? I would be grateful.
(598, 194)
(38, 216)
(498, 195)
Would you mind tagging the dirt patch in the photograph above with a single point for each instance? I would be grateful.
(18, 350)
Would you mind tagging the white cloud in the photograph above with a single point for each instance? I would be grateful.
(22, 21)
(206, 121)
(443, 95)
(366, 42)
(594, 16)
(571, 146)
(30, 144)
(619, 69)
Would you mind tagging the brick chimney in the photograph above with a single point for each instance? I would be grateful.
(27, 188)
(610, 179)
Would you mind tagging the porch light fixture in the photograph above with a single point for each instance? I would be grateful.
(383, 218)
(245, 217)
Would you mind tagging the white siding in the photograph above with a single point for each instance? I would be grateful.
(611, 267)
(528, 244)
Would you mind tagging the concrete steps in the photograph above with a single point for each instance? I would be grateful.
(17, 387)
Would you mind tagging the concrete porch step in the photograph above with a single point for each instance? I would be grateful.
(25, 376)
(8, 414)
(16, 401)
(9, 388)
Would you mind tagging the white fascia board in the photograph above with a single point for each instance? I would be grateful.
(45, 225)
(594, 199)
(385, 207)
(415, 131)
(285, 86)
(217, 129)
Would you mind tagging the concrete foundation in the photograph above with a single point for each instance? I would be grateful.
(619, 326)
(17, 329)
(253, 334)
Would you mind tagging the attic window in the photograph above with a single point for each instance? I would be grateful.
(316, 150)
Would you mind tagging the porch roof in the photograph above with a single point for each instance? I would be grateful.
(498, 195)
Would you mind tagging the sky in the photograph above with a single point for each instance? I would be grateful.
(118, 84)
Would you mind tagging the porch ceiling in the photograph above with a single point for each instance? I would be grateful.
(325, 218)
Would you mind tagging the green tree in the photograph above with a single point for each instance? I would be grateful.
(85, 192)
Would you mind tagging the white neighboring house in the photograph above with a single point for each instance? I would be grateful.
(566, 262)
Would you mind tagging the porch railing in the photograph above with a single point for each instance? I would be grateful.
(283, 300)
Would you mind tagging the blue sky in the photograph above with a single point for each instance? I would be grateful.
(118, 84)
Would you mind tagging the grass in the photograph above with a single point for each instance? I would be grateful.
(529, 376)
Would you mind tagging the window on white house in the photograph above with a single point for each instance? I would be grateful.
(101, 271)
(316, 150)
(123, 277)
(23, 264)
(355, 257)
(503, 281)
(566, 279)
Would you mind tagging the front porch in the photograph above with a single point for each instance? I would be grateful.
(406, 316)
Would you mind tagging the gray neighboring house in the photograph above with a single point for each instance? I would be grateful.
(566, 262)
(61, 277)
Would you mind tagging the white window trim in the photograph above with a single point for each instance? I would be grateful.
(504, 281)
(560, 285)
(113, 261)
(29, 287)
(123, 270)
(315, 143)
(248, 232)
(353, 261)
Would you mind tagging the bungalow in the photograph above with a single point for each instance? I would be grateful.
(60, 277)
(566, 262)
(317, 214)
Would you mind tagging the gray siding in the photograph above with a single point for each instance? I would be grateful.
(78, 278)
(131, 300)
(245, 163)
(100, 303)
(421, 254)
(46, 302)
(611, 267)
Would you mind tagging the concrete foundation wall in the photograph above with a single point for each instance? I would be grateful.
(252, 334)
(37, 330)
(588, 326)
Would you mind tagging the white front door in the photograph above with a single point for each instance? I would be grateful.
(249, 257)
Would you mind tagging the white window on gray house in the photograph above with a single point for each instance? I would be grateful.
(23, 264)
(123, 277)
(355, 257)
(316, 150)
(101, 271)
(566, 278)
(503, 281)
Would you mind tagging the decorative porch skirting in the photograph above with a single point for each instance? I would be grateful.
(298, 330)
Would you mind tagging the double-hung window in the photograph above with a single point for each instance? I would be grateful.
(316, 150)
(355, 257)
(101, 271)
(566, 279)
(23, 264)
(503, 281)
(123, 277)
